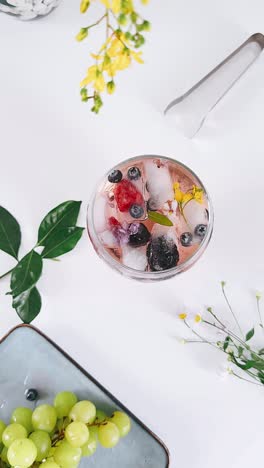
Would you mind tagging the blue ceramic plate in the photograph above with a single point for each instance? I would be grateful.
(28, 359)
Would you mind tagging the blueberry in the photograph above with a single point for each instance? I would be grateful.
(186, 239)
(136, 211)
(162, 254)
(141, 237)
(133, 173)
(115, 176)
(31, 394)
(200, 230)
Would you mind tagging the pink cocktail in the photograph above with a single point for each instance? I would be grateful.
(150, 218)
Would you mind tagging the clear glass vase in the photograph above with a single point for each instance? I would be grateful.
(28, 9)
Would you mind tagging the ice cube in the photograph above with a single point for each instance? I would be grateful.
(108, 239)
(100, 213)
(195, 214)
(169, 232)
(159, 184)
(135, 258)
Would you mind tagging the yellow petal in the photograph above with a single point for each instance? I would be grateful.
(84, 5)
(99, 84)
(123, 62)
(114, 48)
(86, 81)
(137, 56)
(198, 194)
(91, 72)
(197, 318)
(182, 316)
(106, 3)
(116, 6)
(96, 56)
(187, 197)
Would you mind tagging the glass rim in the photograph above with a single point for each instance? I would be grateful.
(147, 275)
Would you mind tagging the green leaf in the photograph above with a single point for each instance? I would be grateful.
(261, 351)
(250, 334)
(226, 343)
(26, 273)
(64, 215)
(246, 366)
(27, 305)
(10, 234)
(240, 351)
(62, 242)
(261, 377)
(159, 218)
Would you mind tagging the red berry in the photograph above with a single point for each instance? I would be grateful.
(113, 222)
(126, 195)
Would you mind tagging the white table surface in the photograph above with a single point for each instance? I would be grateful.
(53, 149)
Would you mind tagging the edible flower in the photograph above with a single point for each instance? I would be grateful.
(182, 316)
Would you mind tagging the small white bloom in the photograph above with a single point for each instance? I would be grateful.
(224, 371)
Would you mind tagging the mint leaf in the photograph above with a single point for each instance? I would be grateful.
(159, 218)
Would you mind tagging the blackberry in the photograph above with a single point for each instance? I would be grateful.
(162, 254)
(141, 237)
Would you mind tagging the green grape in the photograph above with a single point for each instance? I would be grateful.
(4, 455)
(12, 432)
(23, 416)
(2, 428)
(100, 416)
(83, 411)
(122, 421)
(63, 402)
(108, 435)
(43, 443)
(89, 448)
(77, 434)
(22, 453)
(67, 456)
(49, 464)
(44, 418)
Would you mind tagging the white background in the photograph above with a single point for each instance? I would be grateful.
(53, 149)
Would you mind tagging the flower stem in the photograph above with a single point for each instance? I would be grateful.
(260, 317)
(246, 380)
(230, 308)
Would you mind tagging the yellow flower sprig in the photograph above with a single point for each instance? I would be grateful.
(124, 28)
(183, 198)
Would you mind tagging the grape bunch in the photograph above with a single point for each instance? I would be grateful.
(59, 436)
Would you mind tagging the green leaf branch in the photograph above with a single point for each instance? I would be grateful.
(57, 234)
(247, 360)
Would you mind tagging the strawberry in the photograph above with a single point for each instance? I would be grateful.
(113, 222)
(126, 195)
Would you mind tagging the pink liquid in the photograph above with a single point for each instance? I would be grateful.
(127, 211)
